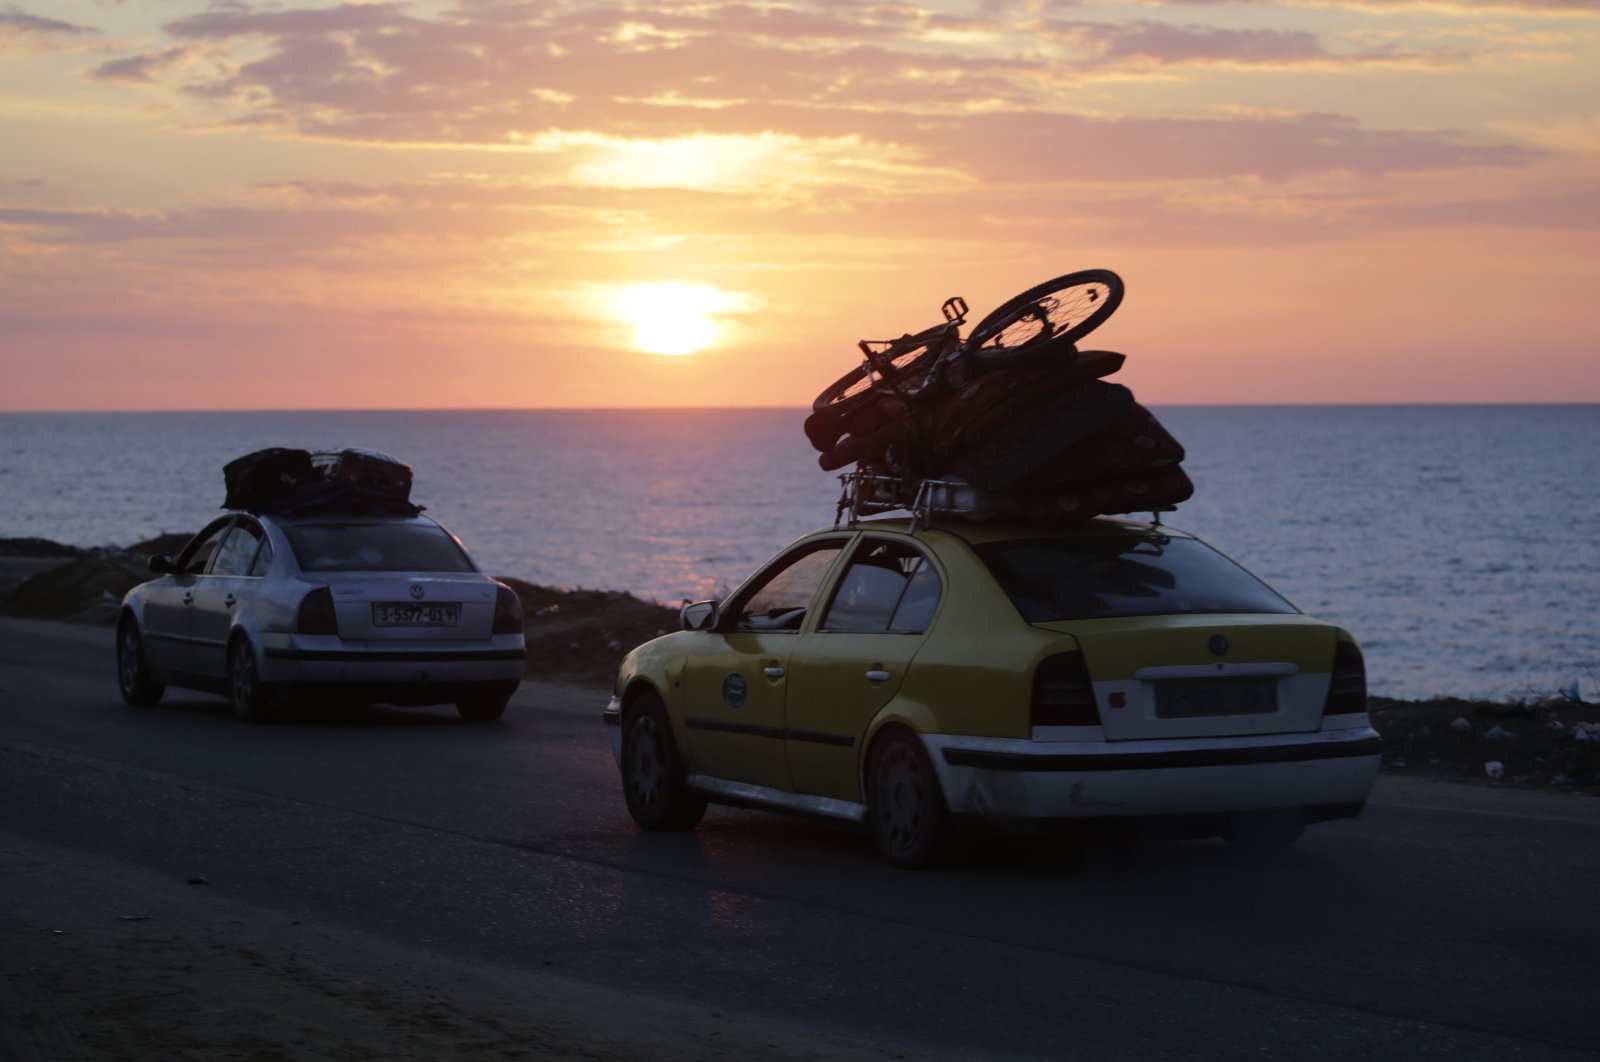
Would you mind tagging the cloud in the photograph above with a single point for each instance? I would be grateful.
(142, 69)
(952, 97)
(1162, 44)
(1469, 7)
(14, 22)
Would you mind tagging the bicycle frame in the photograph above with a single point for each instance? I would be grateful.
(940, 341)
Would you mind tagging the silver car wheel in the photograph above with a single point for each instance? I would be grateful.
(133, 670)
(250, 703)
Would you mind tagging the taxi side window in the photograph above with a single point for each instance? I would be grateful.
(237, 550)
(888, 587)
(780, 602)
(197, 554)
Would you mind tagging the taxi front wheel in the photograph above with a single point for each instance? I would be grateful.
(905, 805)
(653, 777)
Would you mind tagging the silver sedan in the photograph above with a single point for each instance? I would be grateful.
(267, 609)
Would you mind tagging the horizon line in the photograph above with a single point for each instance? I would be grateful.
(754, 408)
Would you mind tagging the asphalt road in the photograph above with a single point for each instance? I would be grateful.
(1407, 933)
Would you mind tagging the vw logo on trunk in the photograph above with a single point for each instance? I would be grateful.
(1218, 645)
(416, 591)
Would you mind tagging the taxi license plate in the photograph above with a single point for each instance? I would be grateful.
(1221, 696)
(411, 614)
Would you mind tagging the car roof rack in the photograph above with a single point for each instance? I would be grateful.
(864, 492)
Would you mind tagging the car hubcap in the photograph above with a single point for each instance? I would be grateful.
(645, 764)
(129, 669)
(900, 796)
(242, 677)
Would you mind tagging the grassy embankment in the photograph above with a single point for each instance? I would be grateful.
(579, 635)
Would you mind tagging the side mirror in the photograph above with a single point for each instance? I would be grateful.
(163, 565)
(700, 616)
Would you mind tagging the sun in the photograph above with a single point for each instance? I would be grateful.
(673, 318)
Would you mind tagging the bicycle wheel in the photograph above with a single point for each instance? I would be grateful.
(1047, 318)
(832, 410)
(846, 391)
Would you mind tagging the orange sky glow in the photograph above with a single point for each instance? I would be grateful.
(499, 203)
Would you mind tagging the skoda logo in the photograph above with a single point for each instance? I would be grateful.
(734, 690)
(416, 591)
(1218, 645)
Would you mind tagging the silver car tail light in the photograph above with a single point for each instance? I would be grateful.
(507, 611)
(316, 615)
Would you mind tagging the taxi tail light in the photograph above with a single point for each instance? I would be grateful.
(1062, 693)
(316, 615)
(507, 611)
(1347, 688)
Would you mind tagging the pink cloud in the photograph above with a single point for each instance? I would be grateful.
(1168, 45)
(496, 74)
(16, 23)
(142, 69)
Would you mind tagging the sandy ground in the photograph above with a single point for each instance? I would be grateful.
(99, 960)
(102, 960)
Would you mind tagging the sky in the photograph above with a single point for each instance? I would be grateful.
(495, 203)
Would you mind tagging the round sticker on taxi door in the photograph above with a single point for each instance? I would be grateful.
(734, 690)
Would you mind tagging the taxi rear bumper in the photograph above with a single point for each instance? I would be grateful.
(1328, 774)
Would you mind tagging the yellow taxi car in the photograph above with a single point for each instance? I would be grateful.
(927, 679)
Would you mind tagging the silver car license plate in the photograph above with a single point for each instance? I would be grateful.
(1219, 696)
(413, 614)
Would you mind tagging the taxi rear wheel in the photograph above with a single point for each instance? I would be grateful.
(654, 781)
(905, 805)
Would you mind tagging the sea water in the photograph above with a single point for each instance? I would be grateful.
(1460, 544)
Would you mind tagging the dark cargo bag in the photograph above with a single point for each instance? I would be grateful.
(258, 479)
(1135, 442)
(368, 470)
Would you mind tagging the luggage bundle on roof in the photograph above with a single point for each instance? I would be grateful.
(348, 482)
(1013, 419)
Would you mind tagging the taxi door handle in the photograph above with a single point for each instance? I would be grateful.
(188, 598)
(229, 600)
(877, 675)
(772, 672)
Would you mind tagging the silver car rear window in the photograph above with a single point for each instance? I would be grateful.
(1094, 577)
(336, 547)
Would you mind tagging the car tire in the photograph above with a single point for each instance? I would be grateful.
(133, 668)
(248, 695)
(905, 806)
(654, 781)
(483, 707)
(1262, 833)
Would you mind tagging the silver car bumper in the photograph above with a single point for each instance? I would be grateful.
(328, 659)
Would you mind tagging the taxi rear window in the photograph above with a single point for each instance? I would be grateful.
(1096, 577)
(337, 547)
